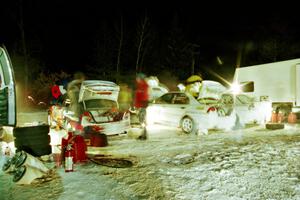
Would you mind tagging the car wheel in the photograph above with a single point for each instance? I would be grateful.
(188, 125)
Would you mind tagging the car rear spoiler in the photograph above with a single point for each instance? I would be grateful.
(94, 89)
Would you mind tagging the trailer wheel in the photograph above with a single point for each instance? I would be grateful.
(274, 126)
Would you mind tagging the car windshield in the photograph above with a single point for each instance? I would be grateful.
(181, 99)
(100, 104)
(165, 99)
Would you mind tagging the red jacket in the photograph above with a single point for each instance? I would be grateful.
(141, 94)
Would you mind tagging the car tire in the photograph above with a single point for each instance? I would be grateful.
(36, 150)
(31, 131)
(3, 109)
(34, 140)
(187, 125)
(40, 140)
(3, 103)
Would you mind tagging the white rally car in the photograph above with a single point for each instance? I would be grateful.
(100, 109)
(215, 108)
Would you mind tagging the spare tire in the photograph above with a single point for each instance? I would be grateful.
(33, 139)
(30, 131)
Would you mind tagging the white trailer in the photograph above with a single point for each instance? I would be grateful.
(278, 82)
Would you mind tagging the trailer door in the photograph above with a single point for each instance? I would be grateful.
(298, 85)
(7, 91)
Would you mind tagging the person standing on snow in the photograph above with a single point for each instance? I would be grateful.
(73, 93)
(125, 97)
(141, 93)
(141, 100)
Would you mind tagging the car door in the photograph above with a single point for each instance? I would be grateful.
(161, 107)
(7, 91)
(177, 109)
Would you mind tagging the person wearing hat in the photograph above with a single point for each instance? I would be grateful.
(73, 89)
(193, 84)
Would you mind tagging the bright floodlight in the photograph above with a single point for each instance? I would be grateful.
(235, 88)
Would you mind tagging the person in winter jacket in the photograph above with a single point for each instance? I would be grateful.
(141, 101)
(193, 85)
(73, 93)
(125, 97)
(141, 92)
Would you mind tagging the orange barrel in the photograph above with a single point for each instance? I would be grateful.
(280, 117)
(274, 117)
(292, 118)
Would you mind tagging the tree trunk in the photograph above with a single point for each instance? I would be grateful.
(24, 48)
(120, 47)
(141, 42)
(193, 65)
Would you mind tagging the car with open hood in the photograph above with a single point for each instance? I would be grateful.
(156, 88)
(215, 108)
(180, 109)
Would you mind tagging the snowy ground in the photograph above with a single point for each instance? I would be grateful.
(251, 163)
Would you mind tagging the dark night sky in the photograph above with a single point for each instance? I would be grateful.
(65, 30)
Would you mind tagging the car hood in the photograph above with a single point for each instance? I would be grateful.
(96, 89)
(211, 89)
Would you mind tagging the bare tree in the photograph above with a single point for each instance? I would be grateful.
(24, 47)
(17, 7)
(181, 54)
(143, 33)
(121, 33)
(105, 53)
